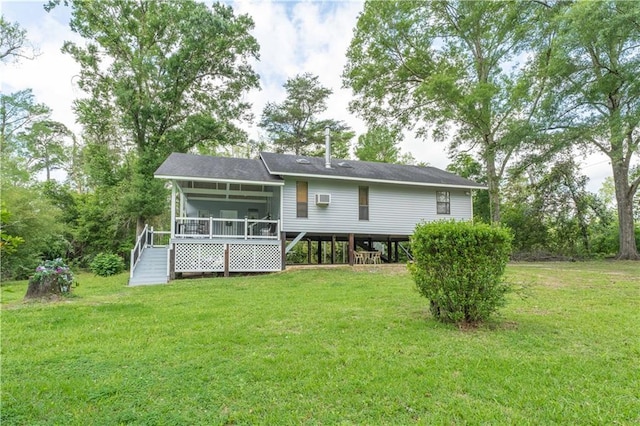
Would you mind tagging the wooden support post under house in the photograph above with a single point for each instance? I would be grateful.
(352, 247)
(333, 249)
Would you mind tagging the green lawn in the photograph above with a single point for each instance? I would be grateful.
(332, 346)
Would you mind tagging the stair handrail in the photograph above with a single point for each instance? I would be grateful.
(136, 251)
(409, 256)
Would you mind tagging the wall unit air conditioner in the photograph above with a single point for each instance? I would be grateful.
(323, 199)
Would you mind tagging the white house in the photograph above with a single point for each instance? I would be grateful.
(243, 215)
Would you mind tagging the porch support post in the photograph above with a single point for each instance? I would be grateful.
(172, 262)
(226, 260)
(389, 257)
(281, 214)
(319, 250)
(283, 246)
(352, 247)
(173, 208)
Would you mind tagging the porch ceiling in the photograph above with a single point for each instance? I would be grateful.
(218, 191)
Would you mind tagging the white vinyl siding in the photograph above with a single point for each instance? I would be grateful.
(393, 209)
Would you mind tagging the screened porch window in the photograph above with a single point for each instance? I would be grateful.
(302, 199)
(443, 202)
(363, 203)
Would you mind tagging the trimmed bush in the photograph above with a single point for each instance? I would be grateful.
(106, 264)
(459, 266)
(52, 278)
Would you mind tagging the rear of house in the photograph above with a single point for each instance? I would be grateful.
(244, 215)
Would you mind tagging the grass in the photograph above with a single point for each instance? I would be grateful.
(333, 346)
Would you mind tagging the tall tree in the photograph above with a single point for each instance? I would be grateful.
(44, 147)
(463, 164)
(595, 100)
(18, 113)
(171, 74)
(294, 126)
(446, 66)
(14, 44)
(379, 144)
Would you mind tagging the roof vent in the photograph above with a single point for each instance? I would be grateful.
(345, 165)
(303, 161)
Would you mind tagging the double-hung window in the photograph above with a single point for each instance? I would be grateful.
(443, 202)
(302, 199)
(363, 203)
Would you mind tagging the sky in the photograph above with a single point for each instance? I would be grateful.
(294, 38)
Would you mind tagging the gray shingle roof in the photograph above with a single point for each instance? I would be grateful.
(283, 164)
(206, 167)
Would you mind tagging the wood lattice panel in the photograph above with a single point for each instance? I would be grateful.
(193, 257)
(255, 257)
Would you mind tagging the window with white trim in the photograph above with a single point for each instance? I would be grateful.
(363, 203)
(302, 199)
(443, 202)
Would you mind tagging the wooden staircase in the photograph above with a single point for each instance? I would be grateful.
(151, 268)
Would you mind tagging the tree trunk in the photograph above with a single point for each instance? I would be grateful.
(139, 225)
(493, 183)
(628, 249)
(45, 288)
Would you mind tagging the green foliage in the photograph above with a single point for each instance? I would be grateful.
(101, 225)
(18, 113)
(8, 243)
(552, 214)
(293, 125)
(464, 165)
(162, 77)
(51, 277)
(107, 264)
(594, 93)
(30, 217)
(453, 69)
(380, 144)
(13, 42)
(458, 266)
(43, 145)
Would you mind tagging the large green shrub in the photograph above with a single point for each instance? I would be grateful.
(106, 264)
(458, 266)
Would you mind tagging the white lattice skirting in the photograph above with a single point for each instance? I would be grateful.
(243, 257)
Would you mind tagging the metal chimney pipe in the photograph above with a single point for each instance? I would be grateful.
(327, 148)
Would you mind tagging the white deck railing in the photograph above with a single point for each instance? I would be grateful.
(208, 227)
(136, 252)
